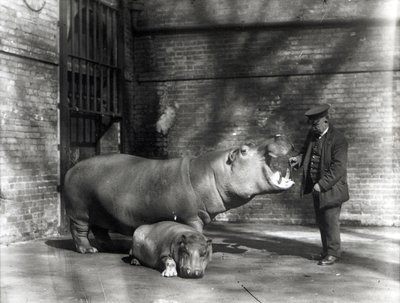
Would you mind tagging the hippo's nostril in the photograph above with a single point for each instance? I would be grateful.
(191, 274)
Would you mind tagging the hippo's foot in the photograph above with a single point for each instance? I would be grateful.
(86, 250)
(170, 268)
(79, 234)
(135, 262)
(83, 246)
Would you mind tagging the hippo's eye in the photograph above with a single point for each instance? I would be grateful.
(202, 252)
(244, 149)
(184, 250)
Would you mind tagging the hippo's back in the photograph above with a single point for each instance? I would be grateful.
(86, 176)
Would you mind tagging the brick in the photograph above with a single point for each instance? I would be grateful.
(29, 91)
(235, 86)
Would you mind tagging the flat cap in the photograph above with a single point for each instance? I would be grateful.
(317, 112)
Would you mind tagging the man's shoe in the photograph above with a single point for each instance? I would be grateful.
(328, 260)
(322, 256)
(318, 257)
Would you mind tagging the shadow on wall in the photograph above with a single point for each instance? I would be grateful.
(273, 110)
(264, 74)
(283, 117)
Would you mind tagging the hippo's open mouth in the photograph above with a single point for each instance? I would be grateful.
(283, 182)
(274, 176)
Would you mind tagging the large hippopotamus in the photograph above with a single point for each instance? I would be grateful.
(173, 248)
(121, 192)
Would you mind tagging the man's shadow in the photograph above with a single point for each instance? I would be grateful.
(235, 241)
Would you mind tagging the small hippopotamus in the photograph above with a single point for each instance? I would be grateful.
(173, 248)
(121, 192)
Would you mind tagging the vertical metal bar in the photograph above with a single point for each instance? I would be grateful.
(114, 60)
(87, 131)
(109, 49)
(77, 129)
(122, 16)
(106, 42)
(87, 85)
(101, 31)
(87, 36)
(101, 88)
(88, 44)
(109, 33)
(115, 92)
(72, 30)
(79, 105)
(100, 57)
(91, 131)
(95, 87)
(95, 5)
(80, 28)
(91, 94)
(73, 130)
(73, 46)
(80, 129)
(115, 48)
(73, 98)
(108, 90)
(95, 10)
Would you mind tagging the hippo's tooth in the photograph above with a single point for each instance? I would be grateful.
(287, 174)
(277, 175)
(272, 155)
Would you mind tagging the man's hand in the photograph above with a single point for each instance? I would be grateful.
(316, 187)
(294, 161)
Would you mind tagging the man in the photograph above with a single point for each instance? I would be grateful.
(324, 161)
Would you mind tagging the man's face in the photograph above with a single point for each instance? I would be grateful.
(319, 126)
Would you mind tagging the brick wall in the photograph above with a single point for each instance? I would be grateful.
(234, 71)
(29, 158)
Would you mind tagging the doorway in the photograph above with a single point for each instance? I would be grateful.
(90, 99)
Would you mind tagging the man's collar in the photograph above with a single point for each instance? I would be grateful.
(325, 131)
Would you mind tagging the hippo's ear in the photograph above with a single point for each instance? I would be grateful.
(231, 157)
(182, 241)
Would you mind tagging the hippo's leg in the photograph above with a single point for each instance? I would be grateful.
(196, 223)
(79, 232)
(102, 238)
(170, 267)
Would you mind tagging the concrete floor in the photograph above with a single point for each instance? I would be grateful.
(251, 263)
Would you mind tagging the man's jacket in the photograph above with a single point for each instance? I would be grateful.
(333, 168)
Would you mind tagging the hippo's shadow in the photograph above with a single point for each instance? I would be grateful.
(120, 246)
(66, 244)
(229, 248)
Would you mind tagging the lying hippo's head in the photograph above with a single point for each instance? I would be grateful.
(192, 254)
(249, 170)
